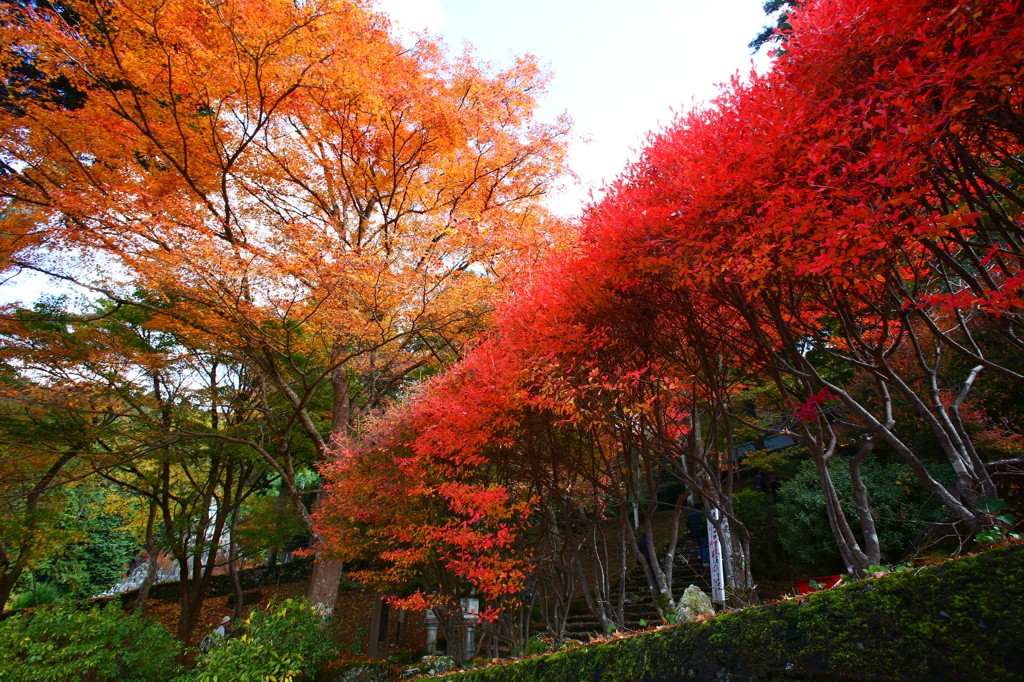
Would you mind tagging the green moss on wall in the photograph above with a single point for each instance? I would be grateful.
(962, 620)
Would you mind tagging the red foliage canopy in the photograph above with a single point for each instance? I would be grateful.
(868, 186)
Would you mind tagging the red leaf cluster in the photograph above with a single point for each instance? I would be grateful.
(862, 199)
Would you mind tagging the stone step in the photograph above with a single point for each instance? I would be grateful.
(639, 604)
(580, 618)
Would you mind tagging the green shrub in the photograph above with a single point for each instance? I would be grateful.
(538, 644)
(286, 641)
(69, 643)
(761, 517)
(40, 595)
(900, 506)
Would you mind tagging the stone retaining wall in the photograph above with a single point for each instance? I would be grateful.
(961, 620)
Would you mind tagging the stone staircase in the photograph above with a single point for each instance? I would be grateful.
(639, 605)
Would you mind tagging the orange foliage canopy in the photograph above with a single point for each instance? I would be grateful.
(282, 182)
(284, 177)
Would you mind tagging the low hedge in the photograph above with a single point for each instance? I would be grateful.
(961, 620)
(73, 642)
(285, 641)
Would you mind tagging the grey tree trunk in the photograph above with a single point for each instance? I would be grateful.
(327, 572)
(151, 567)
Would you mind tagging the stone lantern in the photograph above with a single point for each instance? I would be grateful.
(471, 616)
(432, 622)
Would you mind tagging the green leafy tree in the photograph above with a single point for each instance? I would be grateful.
(99, 547)
(902, 510)
(146, 409)
(44, 440)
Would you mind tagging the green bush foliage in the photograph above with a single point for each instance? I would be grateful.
(900, 506)
(761, 517)
(538, 644)
(67, 644)
(286, 641)
(38, 594)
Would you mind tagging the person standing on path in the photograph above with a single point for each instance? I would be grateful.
(698, 526)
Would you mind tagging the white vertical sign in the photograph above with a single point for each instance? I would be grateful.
(717, 574)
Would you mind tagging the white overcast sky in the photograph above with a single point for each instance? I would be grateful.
(621, 68)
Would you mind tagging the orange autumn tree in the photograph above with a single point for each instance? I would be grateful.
(287, 182)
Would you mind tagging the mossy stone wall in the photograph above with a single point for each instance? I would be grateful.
(962, 620)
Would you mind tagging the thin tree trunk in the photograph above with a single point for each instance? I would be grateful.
(151, 567)
(872, 549)
(8, 579)
(853, 557)
(988, 487)
(669, 563)
(592, 593)
(327, 572)
(193, 590)
(236, 583)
